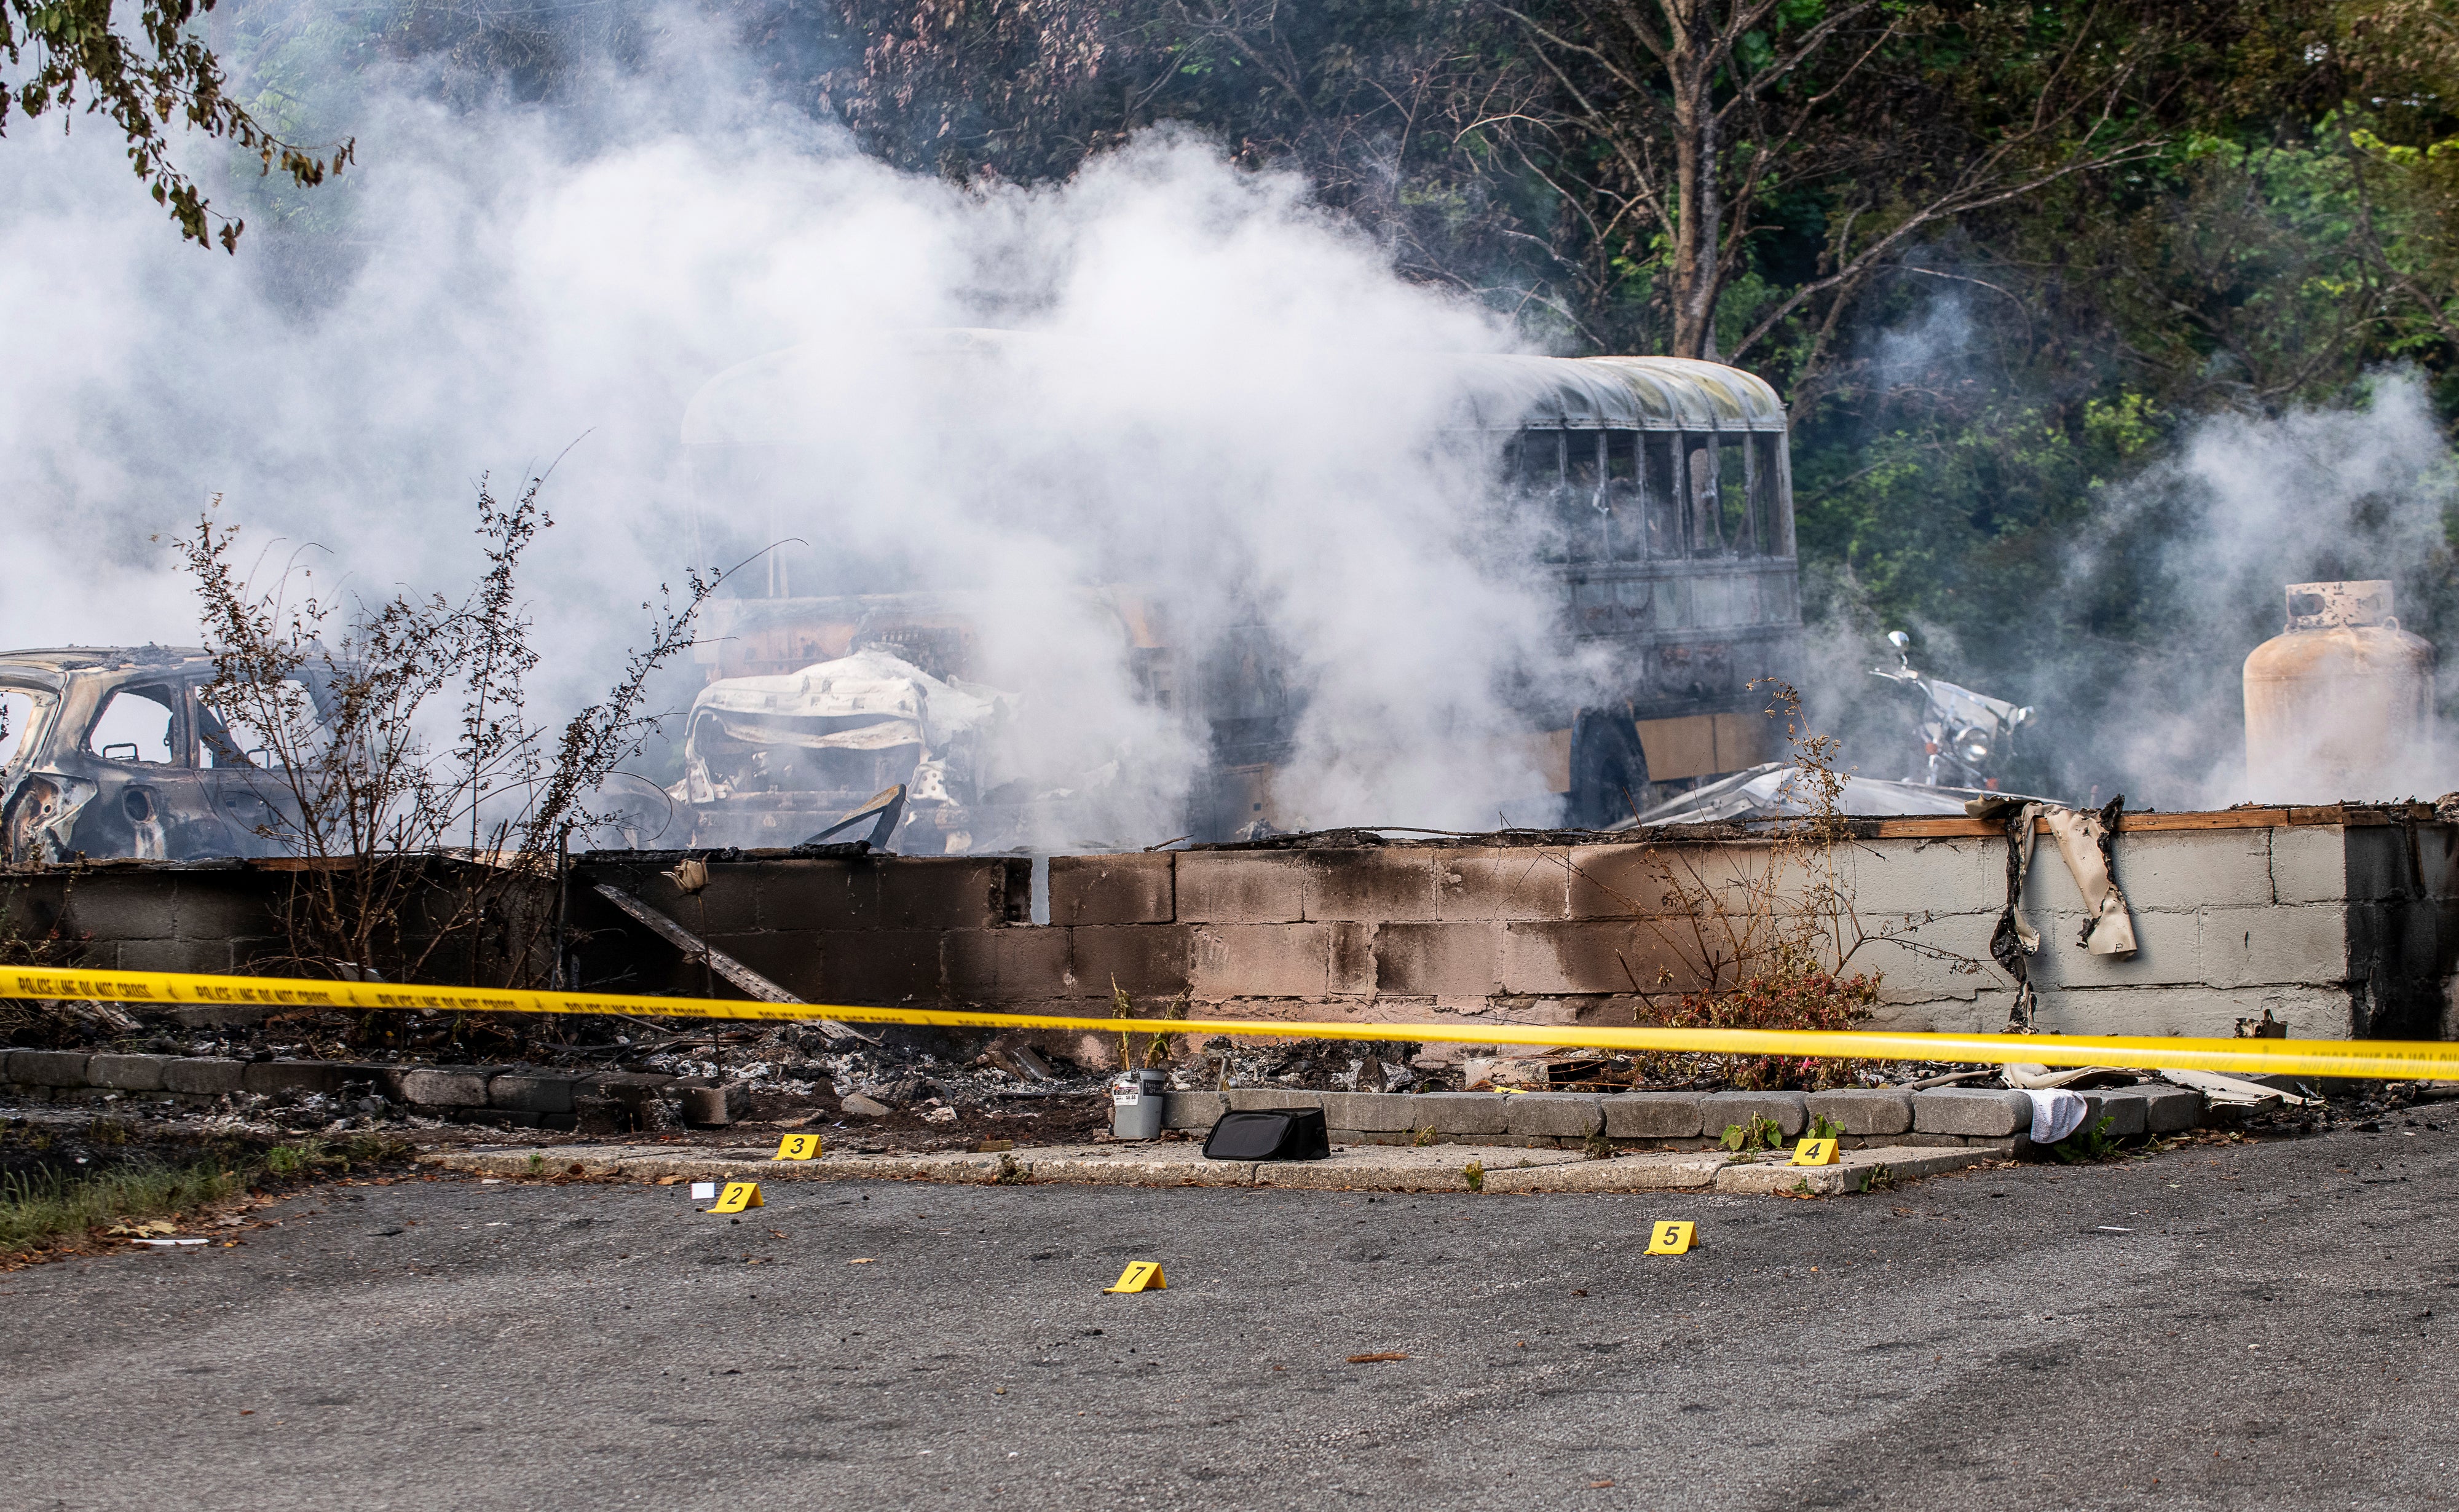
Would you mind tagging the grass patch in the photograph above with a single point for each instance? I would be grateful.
(47, 1209)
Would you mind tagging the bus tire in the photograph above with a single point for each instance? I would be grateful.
(1608, 769)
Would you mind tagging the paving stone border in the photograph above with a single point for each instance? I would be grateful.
(613, 1102)
(1871, 1117)
(1365, 1167)
(509, 1097)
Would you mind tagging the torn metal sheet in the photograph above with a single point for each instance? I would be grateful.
(1780, 791)
(2086, 841)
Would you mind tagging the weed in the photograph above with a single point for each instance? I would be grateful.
(1599, 1147)
(299, 1157)
(2085, 1145)
(1158, 1047)
(1880, 1179)
(1760, 1133)
(1821, 1127)
(41, 1208)
(1423, 1137)
(538, 1163)
(1011, 1172)
(1475, 1171)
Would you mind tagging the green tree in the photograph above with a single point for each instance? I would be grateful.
(144, 78)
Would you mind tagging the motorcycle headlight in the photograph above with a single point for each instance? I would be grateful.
(1972, 745)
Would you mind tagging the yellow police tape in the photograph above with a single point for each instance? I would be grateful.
(2397, 1060)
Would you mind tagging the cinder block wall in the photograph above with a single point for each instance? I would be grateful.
(2341, 922)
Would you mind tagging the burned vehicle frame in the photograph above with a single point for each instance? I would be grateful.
(113, 753)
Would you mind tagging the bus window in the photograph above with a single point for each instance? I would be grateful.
(1660, 477)
(1707, 509)
(1625, 506)
(1736, 516)
(1769, 489)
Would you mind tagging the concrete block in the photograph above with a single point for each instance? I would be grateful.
(1373, 884)
(1243, 1099)
(1851, 1174)
(55, 1068)
(1514, 883)
(292, 1078)
(1003, 965)
(1440, 961)
(211, 958)
(201, 1076)
(713, 1106)
(1865, 1110)
(1193, 1110)
(2166, 1109)
(1261, 960)
(1461, 1112)
(1971, 1111)
(2184, 869)
(2125, 1113)
(1651, 1115)
(2309, 864)
(128, 1073)
(2256, 946)
(882, 967)
(1129, 889)
(942, 892)
(1352, 959)
(1586, 955)
(1895, 877)
(803, 895)
(1240, 887)
(1369, 1112)
(1147, 960)
(1720, 1110)
(1553, 1115)
(432, 1086)
(525, 1092)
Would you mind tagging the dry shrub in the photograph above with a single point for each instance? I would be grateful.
(1793, 992)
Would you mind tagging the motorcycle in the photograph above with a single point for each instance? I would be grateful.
(1967, 738)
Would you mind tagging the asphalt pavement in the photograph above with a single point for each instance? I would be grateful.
(2232, 1326)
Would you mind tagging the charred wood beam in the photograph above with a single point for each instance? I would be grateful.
(697, 950)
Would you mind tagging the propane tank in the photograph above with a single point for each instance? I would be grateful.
(2340, 703)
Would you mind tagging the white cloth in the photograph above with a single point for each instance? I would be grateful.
(2056, 1113)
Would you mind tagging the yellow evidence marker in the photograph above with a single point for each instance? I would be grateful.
(798, 1147)
(1672, 1238)
(1145, 1275)
(738, 1197)
(1815, 1152)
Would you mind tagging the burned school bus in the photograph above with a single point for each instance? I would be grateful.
(1663, 485)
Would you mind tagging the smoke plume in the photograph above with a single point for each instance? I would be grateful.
(1230, 402)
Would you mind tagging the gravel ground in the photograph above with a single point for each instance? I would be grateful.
(2218, 1326)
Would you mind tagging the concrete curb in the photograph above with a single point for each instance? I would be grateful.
(1364, 1168)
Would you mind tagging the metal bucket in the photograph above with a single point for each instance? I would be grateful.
(1137, 1102)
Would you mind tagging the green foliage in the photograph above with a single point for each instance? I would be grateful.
(141, 78)
(1759, 1134)
(2091, 1143)
(1821, 1127)
(1475, 1171)
(44, 1208)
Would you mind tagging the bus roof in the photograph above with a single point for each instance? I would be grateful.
(768, 400)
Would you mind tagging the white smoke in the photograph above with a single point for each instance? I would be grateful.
(1234, 408)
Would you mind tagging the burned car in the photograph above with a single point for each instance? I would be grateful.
(110, 753)
(770, 760)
